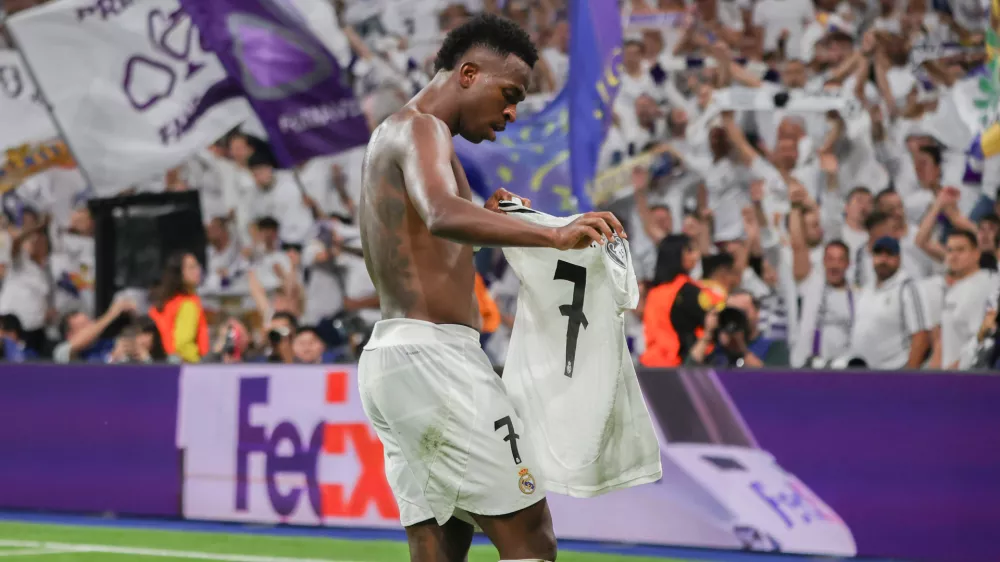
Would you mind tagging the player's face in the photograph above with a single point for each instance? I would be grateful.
(960, 256)
(886, 265)
(835, 261)
(495, 86)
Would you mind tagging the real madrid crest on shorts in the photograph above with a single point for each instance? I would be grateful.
(616, 251)
(526, 482)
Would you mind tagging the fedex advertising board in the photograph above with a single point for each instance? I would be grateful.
(288, 445)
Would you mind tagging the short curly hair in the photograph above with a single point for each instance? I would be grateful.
(498, 34)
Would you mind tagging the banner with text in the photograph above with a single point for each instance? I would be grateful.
(280, 445)
(89, 439)
(126, 82)
(293, 82)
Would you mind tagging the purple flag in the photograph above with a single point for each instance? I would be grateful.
(292, 82)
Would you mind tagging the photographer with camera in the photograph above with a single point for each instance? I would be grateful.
(231, 345)
(734, 340)
(280, 333)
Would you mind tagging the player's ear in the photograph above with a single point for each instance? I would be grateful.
(467, 74)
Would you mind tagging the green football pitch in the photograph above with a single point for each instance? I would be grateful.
(61, 543)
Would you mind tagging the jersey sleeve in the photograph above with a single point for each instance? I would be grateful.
(617, 257)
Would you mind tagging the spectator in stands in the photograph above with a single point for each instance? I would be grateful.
(891, 328)
(309, 348)
(232, 344)
(28, 287)
(148, 343)
(81, 335)
(177, 310)
(139, 342)
(12, 336)
(772, 352)
(281, 331)
(278, 195)
(827, 310)
(268, 261)
(225, 262)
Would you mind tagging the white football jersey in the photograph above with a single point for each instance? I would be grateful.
(568, 368)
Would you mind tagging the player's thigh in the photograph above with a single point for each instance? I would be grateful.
(430, 542)
(523, 535)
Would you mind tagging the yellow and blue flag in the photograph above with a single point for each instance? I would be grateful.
(551, 156)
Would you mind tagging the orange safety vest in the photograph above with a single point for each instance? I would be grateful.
(165, 323)
(663, 344)
(487, 307)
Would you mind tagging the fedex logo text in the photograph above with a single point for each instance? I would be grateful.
(326, 499)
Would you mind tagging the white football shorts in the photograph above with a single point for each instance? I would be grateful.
(453, 443)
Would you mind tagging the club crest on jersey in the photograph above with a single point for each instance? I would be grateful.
(526, 482)
(616, 251)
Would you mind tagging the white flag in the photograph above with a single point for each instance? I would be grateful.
(123, 80)
(22, 112)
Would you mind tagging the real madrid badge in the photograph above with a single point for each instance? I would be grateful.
(526, 482)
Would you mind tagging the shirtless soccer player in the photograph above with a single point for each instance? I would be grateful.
(456, 452)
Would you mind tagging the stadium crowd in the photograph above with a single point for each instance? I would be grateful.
(760, 237)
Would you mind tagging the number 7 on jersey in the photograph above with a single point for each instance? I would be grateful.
(576, 275)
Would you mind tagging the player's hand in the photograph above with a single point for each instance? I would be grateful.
(493, 203)
(586, 229)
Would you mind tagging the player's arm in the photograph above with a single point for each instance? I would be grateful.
(426, 164)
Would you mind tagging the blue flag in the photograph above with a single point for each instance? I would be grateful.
(292, 82)
(551, 156)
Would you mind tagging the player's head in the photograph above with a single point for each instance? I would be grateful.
(961, 253)
(885, 257)
(836, 259)
(490, 60)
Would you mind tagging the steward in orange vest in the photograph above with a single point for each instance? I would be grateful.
(182, 327)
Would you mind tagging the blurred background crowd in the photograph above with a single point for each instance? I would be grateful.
(761, 236)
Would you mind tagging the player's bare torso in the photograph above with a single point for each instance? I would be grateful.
(417, 275)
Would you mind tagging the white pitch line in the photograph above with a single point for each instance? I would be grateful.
(109, 549)
(30, 552)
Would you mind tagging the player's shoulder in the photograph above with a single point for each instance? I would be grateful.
(410, 126)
